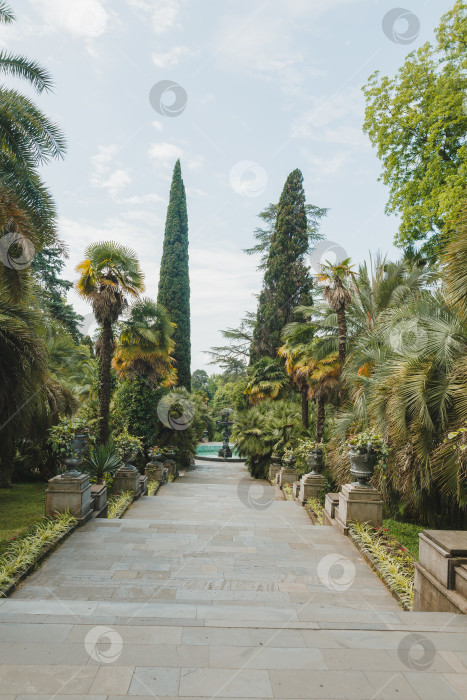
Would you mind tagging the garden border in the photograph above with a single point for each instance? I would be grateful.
(46, 552)
(378, 572)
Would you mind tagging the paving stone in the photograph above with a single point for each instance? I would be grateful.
(206, 597)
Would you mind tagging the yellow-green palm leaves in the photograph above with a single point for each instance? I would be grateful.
(145, 344)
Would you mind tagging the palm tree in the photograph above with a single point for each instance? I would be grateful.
(267, 378)
(109, 274)
(338, 297)
(324, 382)
(28, 138)
(145, 344)
(295, 352)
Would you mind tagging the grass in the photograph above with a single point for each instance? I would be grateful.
(21, 507)
(406, 534)
(394, 562)
(23, 553)
(119, 504)
(152, 487)
(315, 505)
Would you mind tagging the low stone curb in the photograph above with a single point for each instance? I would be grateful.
(46, 552)
(374, 565)
(312, 514)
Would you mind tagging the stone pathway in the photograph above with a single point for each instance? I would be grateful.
(214, 589)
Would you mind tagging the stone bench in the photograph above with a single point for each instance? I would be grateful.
(441, 572)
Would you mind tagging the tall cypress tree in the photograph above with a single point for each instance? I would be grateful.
(287, 281)
(174, 281)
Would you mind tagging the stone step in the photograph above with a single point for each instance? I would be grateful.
(162, 613)
(460, 580)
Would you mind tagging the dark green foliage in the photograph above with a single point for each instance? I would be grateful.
(174, 281)
(47, 266)
(287, 281)
(134, 407)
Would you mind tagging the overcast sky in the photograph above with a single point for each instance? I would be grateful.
(264, 87)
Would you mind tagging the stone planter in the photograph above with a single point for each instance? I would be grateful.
(70, 491)
(362, 465)
(315, 461)
(286, 476)
(127, 479)
(274, 467)
(99, 500)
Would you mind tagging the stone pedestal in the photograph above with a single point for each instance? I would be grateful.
(172, 468)
(295, 489)
(70, 491)
(441, 572)
(286, 476)
(126, 479)
(143, 485)
(311, 486)
(273, 469)
(331, 508)
(154, 471)
(361, 503)
(99, 500)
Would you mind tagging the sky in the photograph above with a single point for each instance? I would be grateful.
(243, 92)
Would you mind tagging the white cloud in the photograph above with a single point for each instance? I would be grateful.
(171, 58)
(328, 165)
(86, 18)
(164, 13)
(334, 119)
(165, 153)
(103, 175)
(143, 199)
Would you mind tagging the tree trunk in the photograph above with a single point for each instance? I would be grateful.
(305, 420)
(342, 332)
(104, 389)
(320, 416)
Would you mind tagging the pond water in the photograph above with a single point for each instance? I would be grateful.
(211, 449)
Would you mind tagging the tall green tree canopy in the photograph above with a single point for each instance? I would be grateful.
(174, 280)
(418, 123)
(287, 280)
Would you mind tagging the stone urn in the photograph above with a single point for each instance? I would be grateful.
(276, 460)
(315, 461)
(362, 465)
(289, 461)
(128, 457)
(79, 446)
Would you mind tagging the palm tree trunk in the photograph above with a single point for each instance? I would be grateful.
(342, 332)
(104, 389)
(305, 419)
(320, 416)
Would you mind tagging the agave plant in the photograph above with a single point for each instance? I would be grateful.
(102, 460)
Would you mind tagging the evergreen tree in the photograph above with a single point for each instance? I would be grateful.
(287, 281)
(174, 281)
(47, 266)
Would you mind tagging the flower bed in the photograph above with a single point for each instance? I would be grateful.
(119, 504)
(393, 563)
(153, 488)
(287, 489)
(23, 554)
(316, 510)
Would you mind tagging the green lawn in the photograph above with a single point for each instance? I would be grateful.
(405, 533)
(20, 507)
